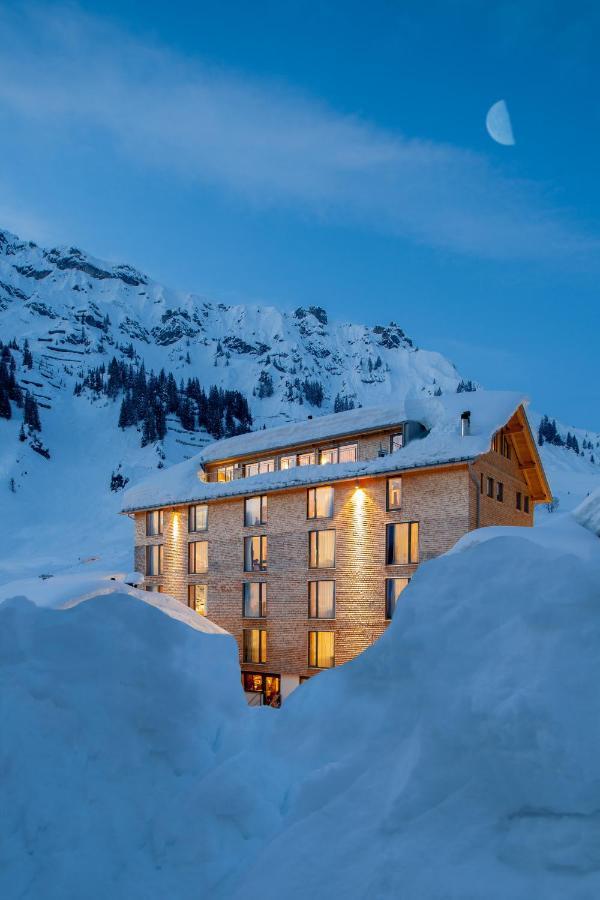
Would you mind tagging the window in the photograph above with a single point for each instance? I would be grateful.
(257, 683)
(157, 588)
(394, 493)
(225, 473)
(254, 645)
(501, 444)
(321, 549)
(266, 465)
(254, 596)
(319, 503)
(481, 482)
(500, 491)
(154, 522)
(255, 553)
(348, 453)
(287, 462)
(490, 487)
(154, 559)
(197, 557)
(307, 459)
(328, 456)
(321, 599)
(396, 441)
(250, 469)
(255, 510)
(198, 517)
(519, 500)
(321, 649)
(402, 544)
(393, 589)
(526, 503)
(197, 598)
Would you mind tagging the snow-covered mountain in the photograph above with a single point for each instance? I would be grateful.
(77, 313)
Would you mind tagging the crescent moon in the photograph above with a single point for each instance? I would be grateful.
(499, 125)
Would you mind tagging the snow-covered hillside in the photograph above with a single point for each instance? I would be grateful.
(456, 758)
(77, 313)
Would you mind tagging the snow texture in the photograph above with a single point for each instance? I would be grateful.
(456, 758)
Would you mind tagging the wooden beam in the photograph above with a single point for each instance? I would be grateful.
(517, 428)
(528, 465)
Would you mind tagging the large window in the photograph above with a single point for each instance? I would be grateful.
(255, 553)
(402, 544)
(255, 645)
(321, 649)
(254, 595)
(328, 456)
(255, 510)
(321, 599)
(197, 598)
(197, 557)
(225, 473)
(287, 462)
(319, 503)
(198, 517)
(154, 559)
(348, 453)
(154, 522)
(393, 589)
(321, 549)
(307, 459)
(259, 468)
(394, 493)
(396, 441)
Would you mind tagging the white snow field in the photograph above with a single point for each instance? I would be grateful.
(457, 758)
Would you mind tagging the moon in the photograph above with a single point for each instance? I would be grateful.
(499, 125)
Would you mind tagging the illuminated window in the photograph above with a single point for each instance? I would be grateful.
(287, 462)
(198, 597)
(321, 649)
(319, 503)
(250, 469)
(307, 459)
(225, 473)
(321, 599)
(255, 553)
(254, 645)
(154, 522)
(328, 456)
(254, 595)
(396, 441)
(321, 549)
(198, 517)
(394, 493)
(197, 557)
(402, 544)
(349, 453)
(266, 465)
(393, 589)
(154, 560)
(499, 491)
(255, 510)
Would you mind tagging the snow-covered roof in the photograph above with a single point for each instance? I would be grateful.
(490, 410)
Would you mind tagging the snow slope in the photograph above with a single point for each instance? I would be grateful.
(456, 758)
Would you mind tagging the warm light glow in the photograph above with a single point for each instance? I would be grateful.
(175, 525)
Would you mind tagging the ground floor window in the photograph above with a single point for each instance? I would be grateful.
(267, 685)
(321, 649)
(393, 589)
(254, 645)
(198, 598)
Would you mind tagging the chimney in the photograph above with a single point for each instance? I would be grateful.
(465, 423)
(309, 417)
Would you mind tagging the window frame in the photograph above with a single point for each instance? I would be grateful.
(262, 646)
(500, 491)
(393, 436)
(490, 487)
(262, 498)
(407, 579)
(312, 491)
(519, 501)
(150, 550)
(334, 451)
(191, 589)
(389, 506)
(262, 599)
(287, 458)
(526, 503)
(315, 664)
(410, 561)
(312, 456)
(317, 531)
(160, 514)
(194, 571)
(264, 554)
(348, 447)
(317, 582)
(193, 519)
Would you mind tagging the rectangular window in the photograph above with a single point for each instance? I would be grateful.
(254, 597)
(526, 503)
(349, 453)
(328, 456)
(319, 503)
(266, 465)
(481, 482)
(197, 598)
(255, 645)
(499, 491)
(198, 517)
(154, 522)
(255, 510)
(402, 544)
(154, 560)
(287, 462)
(250, 469)
(490, 487)
(255, 553)
(321, 599)
(321, 549)
(307, 459)
(321, 649)
(519, 503)
(396, 441)
(225, 473)
(197, 557)
(393, 589)
(394, 493)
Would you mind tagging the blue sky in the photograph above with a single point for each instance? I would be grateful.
(334, 154)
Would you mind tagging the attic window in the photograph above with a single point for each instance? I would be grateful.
(396, 441)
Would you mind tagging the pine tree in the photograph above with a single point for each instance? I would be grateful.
(5, 410)
(31, 415)
(265, 385)
(27, 355)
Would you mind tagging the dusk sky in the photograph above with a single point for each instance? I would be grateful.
(334, 154)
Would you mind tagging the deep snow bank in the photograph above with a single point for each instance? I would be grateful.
(457, 758)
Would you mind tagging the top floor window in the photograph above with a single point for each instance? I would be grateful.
(225, 473)
(261, 467)
(349, 453)
(307, 459)
(319, 503)
(396, 441)
(255, 510)
(287, 462)
(394, 493)
(154, 522)
(501, 444)
(198, 517)
(328, 456)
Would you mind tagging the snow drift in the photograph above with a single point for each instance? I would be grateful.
(456, 758)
